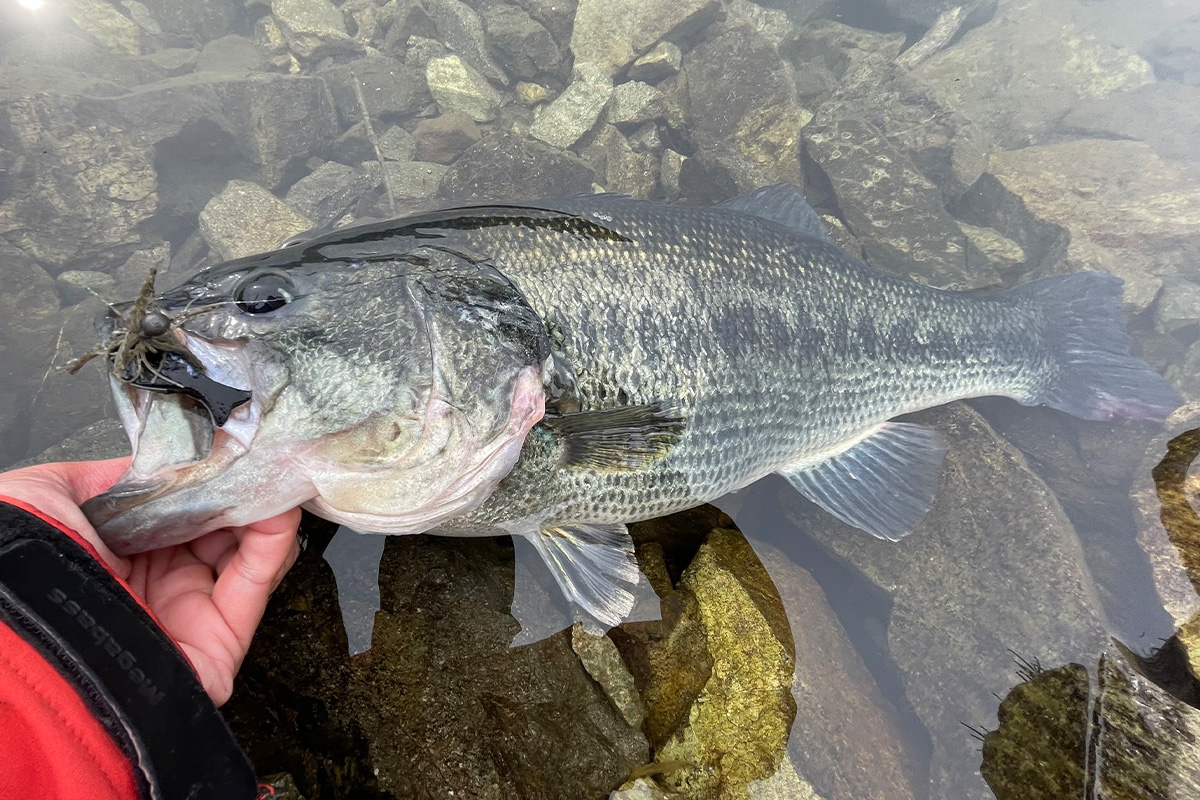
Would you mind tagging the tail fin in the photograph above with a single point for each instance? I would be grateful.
(1094, 376)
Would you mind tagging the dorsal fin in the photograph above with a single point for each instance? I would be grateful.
(780, 203)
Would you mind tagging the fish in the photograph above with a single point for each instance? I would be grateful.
(629, 358)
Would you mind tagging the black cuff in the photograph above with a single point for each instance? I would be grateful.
(138, 685)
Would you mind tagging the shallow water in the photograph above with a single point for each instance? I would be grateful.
(777, 652)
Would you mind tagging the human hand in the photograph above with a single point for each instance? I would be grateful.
(209, 594)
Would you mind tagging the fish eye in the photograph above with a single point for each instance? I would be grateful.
(264, 293)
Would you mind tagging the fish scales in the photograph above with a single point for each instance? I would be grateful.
(777, 347)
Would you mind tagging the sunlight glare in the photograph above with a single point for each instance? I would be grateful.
(32, 5)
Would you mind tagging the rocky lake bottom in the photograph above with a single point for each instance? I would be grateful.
(1037, 637)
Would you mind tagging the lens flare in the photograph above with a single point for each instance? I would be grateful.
(32, 5)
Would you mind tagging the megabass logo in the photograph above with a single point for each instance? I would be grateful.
(126, 660)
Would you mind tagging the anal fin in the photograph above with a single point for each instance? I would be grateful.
(590, 563)
(883, 484)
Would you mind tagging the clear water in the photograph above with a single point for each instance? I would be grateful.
(790, 655)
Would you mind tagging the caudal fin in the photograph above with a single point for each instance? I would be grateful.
(1093, 376)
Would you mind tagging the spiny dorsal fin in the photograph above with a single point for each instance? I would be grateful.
(783, 204)
(884, 484)
(618, 439)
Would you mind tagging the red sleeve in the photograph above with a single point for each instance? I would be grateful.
(96, 700)
(53, 745)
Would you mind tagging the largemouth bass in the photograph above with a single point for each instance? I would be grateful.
(641, 358)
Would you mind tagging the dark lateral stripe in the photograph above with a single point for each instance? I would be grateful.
(125, 668)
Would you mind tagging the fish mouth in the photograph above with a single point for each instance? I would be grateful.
(185, 424)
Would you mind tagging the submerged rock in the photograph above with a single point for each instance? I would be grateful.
(442, 138)
(457, 87)
(856, 73)
(440, 706)
(1129, 213)
(895, 213)
(995, 566)
(522, 44)
(1165, 495)
(67, 163)
(507, 167)
(618, 168)
(661, 62)
(635, 102)
(76, 285)
(574, 112)
(1164, 115)
(612, 33)
(246, 219)
(742, 108)
(313, 28)
(388, 88)
(1175, 53)
(461, 29)
(1021, 72)
(1119, 736)
(328, 192)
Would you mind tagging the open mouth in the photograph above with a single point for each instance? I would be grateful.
(187, 418)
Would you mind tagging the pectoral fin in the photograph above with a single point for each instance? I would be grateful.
(617, 439)
(884, 484)
(590, 563)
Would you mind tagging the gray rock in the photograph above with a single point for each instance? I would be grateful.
(635, 102)
(742, 108)
(669, 171)
(557, 15)
(507, 167)
(646, 139)
(1128, 212)
(108, 26)
(1178, 306)
(29, 341)
(461, 29)
(389, 88)
(896, 214)
(1164, 115)
(995, 566)
(1005, 254)
(397, 144)
(574, 112)
(328, 192)
(206, 131)
(522, 45)
(457, 87)
(354, 146)
(413, 178)
(1185, 376)
(176, 61)
(421, 50)
(442, 138)
(245, 219)
(441, 703)
(313, 28)
(70, 164)
(132, 274)
(924, 13)
(230, 55)
(862, 73)
(618, 168)
(661, 62)
(612, 33)
(996, 75)
(76, 285)
(400, 19)
(94, 442)
(774, 25)
(188, 22)
(1175, 53)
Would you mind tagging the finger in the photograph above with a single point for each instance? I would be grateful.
(212, 548)
(245, 584)
(85, 479)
